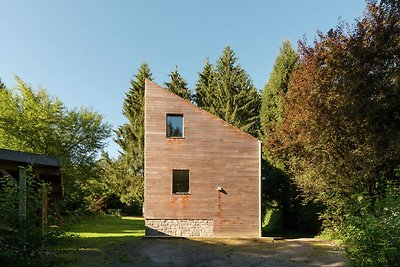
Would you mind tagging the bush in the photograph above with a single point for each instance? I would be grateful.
(372, 237)
(272, 223)
(22, 240)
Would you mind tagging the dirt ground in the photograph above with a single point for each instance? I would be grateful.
(225, 252)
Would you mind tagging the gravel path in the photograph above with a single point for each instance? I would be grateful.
(226, 252)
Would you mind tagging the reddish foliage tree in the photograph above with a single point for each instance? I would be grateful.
(341, 129)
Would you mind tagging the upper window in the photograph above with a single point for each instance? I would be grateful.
(180, 182)
(174, 125)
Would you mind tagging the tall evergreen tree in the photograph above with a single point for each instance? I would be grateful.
(178, 85)
(272, 107)
(229, 93)
(130, 136)
(204, 87)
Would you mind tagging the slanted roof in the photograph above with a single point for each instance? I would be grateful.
(150, 85)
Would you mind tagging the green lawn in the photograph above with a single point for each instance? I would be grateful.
(87, 241)
(108, 226)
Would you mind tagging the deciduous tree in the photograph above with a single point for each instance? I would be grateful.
(32, 121)
(341, 130)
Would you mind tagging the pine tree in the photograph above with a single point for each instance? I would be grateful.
(229, 93)
(130, 136)
(272, 106)
(178, 85)
(237, 100)
(204, 87)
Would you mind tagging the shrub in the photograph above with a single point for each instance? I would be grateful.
(372, 237)
(22, 240)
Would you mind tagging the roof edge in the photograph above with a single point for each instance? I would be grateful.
(30, 158)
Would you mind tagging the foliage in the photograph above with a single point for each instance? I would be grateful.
(372, 232)
(279, 192)
(22, 240)
(341, 129)
(178, 85)
(73, 206)
(32, 121)
(205, 87)
(276, 180)
(2, 85)
(272, 107)
(130, 137)
(228, 92)
(117, 181)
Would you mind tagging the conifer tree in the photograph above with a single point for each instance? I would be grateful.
(178, 85)
(130, 136)
(272, 107)
(229, 93)
(204, 87)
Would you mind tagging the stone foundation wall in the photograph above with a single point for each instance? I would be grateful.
(180, 227)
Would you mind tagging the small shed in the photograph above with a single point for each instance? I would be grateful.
(45, 167)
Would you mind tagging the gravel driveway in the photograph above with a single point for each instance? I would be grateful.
(226, 252)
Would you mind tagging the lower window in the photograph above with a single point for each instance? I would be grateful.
(180, 182)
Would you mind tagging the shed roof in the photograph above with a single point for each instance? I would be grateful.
(30, 158)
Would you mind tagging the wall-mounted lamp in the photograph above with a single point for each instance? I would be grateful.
(220, 189)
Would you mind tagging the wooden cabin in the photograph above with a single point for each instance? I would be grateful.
(202, 175)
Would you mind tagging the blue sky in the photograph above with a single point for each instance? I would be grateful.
(86, 51)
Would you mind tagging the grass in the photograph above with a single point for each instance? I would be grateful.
(88, 240)
(108, 226)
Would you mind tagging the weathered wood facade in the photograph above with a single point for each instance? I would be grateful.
(223, 163)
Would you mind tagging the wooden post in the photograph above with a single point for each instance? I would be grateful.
(22, 193)
(44, 209)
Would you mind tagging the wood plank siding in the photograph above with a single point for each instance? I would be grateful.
(216, 154)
